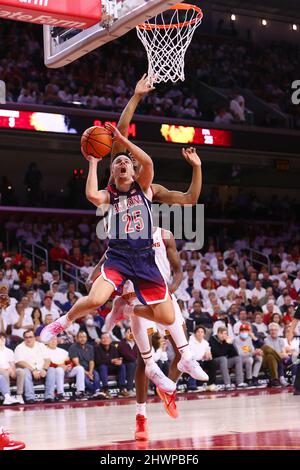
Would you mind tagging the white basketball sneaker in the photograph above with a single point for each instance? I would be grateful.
(58, 326)
(156, 375)
(191, 367)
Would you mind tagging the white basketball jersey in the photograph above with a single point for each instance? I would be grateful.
(161, 257)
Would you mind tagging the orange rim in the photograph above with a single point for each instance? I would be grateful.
(178, 6)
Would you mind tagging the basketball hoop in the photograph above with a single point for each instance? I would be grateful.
(166, 39)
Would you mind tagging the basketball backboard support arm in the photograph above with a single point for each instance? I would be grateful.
(119, 17)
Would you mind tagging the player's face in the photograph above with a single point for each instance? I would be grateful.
(122, 169)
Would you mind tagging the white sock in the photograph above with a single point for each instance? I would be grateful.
(178, 334)
(141, 409)
(7, 395)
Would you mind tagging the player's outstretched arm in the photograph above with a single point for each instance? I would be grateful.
(191, 196)
(174, 260)
(141, 89)
(91, 190)
(146, 172)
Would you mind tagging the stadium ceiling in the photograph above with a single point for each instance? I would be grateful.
(286, 9)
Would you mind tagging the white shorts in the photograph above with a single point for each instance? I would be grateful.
(129, 295)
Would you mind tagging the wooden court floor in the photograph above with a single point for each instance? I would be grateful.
(253, 419)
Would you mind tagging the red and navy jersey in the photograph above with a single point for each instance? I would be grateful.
(129, 221)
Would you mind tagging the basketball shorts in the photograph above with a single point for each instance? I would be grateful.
(141, 269)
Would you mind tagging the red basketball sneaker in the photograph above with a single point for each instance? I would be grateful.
(6, 442)
(141, 431)
(169, 402)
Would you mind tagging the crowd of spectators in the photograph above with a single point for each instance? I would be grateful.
(102, 81)
(237, 314)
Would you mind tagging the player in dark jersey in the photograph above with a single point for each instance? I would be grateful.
(130, 254)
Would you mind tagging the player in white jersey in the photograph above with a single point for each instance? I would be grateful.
(167, 260)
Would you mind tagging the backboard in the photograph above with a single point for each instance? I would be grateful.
(63, 46)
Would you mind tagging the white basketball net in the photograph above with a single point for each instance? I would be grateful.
(166, 39)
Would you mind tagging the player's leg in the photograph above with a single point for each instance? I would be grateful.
(99, 294)
(162, 312)
(174, 373)
(177, 331)
(141, 386)
(141, 329)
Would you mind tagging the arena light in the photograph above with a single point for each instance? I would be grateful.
(233, 17)
(264, 22)
(295, 27)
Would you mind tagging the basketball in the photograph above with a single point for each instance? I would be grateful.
(96, 141)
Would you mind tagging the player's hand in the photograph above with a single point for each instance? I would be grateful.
(143, 86)
(191, 156)
(90, 158)
(116, 134)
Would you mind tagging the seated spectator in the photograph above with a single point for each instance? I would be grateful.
(277, 344)
(7, 372)
(34, 298)
(91, 329)
(243, 320)
(237, 107)
(65, 95)
(208, 283)
(223, 321)
(71, 299)
(251, 358)
(62, 285)
(243, 291)
(254, 305)
(277, 318)
(108, 361)
(82, 354)
(20, 321)
(224, 289)
(47, 276)
(200, 350)
(60, 367)
(292, 347)
(47, 320)
(37, 319)
(6, 305)
(32, 360)
(128, 351)
(260, 326)
(27, 275)
(226, 357)
(59, 298)
(40, 285)
(57, 254)
(296, 282)
(87, 267)
(50, 308)
(198, 317)
(10, 274)
(258, 290)
(223, 117)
